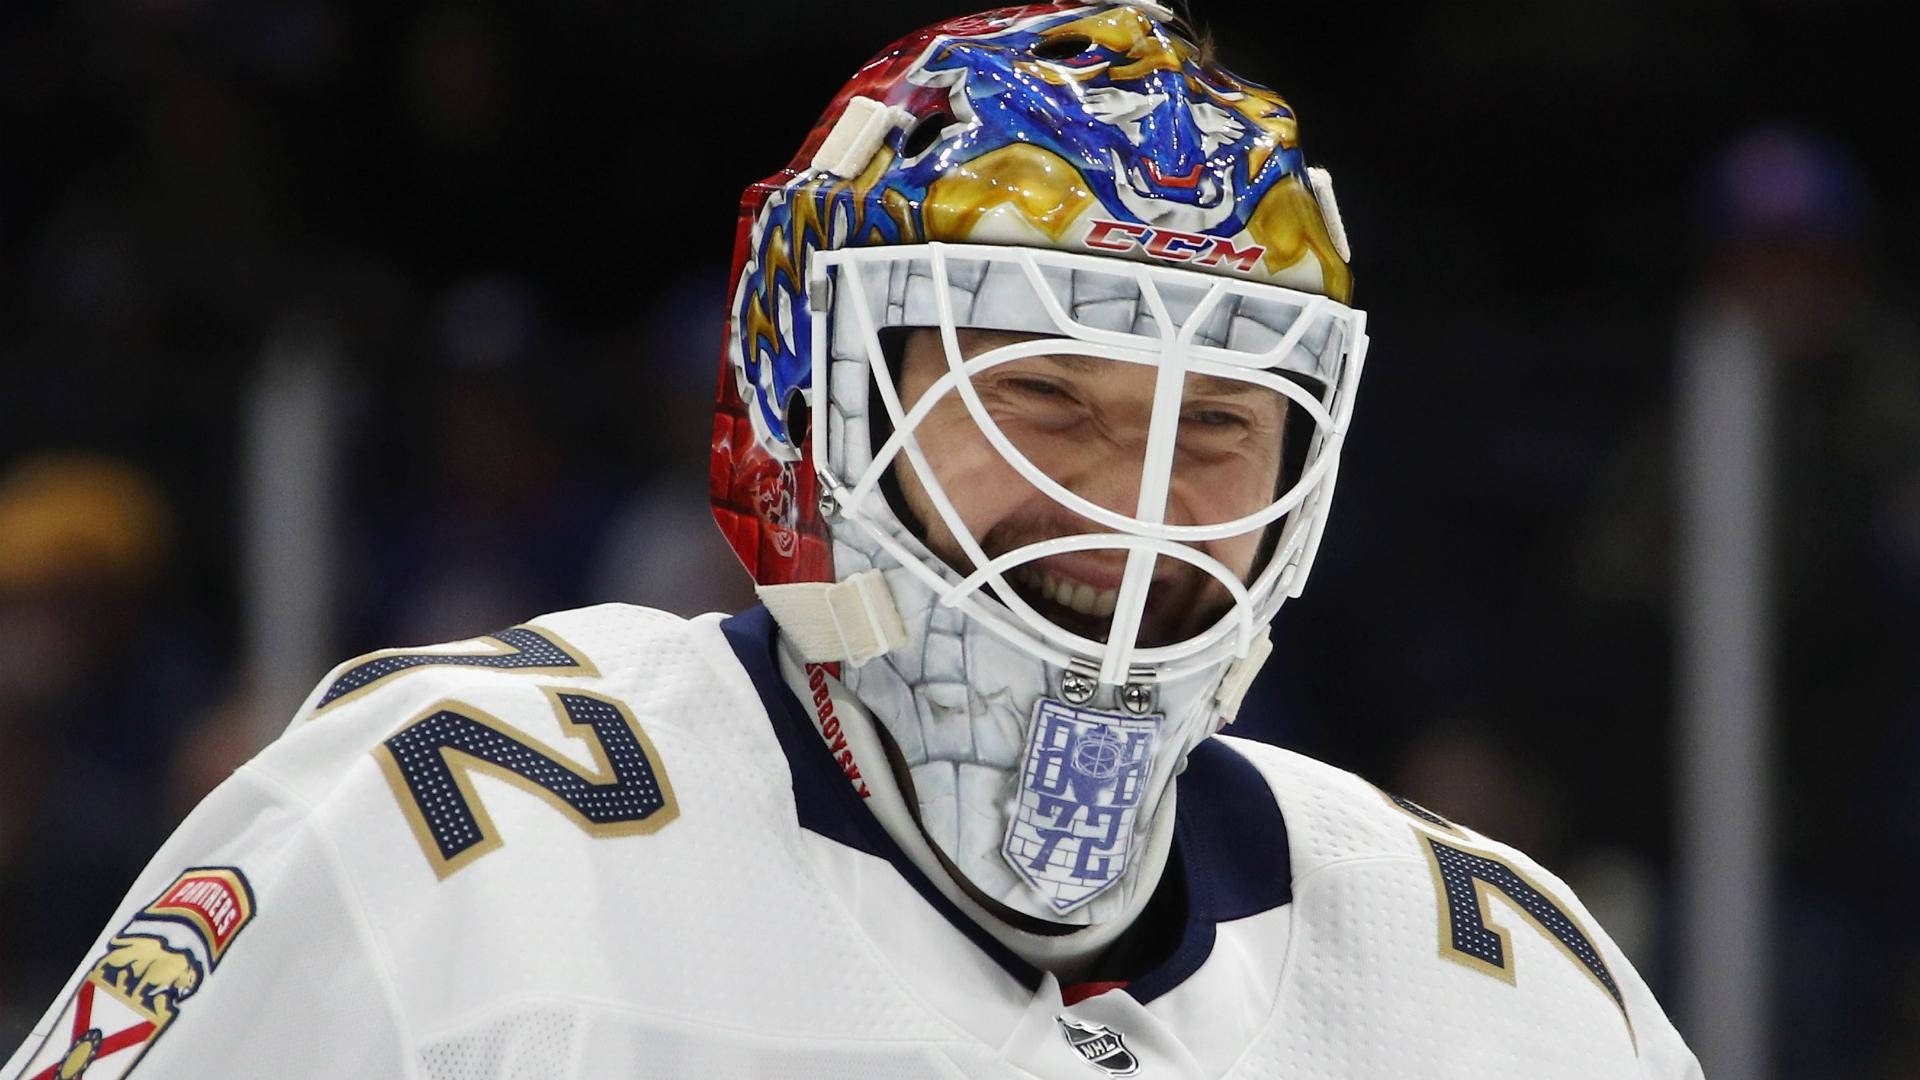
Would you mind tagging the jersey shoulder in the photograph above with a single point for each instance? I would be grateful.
(1435, 928)
(584, 823)
(555, 676)
(1334, 815)
(535, 750)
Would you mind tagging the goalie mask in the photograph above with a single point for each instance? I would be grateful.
(1038, 368)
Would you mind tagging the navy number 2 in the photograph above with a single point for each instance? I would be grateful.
(430, 764)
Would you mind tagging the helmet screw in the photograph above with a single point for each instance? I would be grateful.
(1076, 688)
(1137, 697)
(828, 504)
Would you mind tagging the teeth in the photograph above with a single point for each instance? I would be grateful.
(1074, 595)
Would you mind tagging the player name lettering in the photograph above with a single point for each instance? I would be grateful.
(830, 727)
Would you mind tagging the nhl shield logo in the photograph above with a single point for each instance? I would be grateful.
(158, 960)
(1100, 1046)
(1081, 783)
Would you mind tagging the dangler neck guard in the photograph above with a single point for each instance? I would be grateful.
(1043, 803)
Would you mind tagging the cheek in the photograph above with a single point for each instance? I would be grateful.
(983, 488)
(1239, 552)
(1224, 490)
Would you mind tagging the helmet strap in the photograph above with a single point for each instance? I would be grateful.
(854, 620)
(1239, 678)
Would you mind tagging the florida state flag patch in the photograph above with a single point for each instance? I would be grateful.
(158, 960)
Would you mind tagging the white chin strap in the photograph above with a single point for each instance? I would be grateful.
(1239, 679)
(853, 620)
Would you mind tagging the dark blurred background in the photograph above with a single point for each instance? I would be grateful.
(331, 325)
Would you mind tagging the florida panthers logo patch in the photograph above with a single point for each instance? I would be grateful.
(158, 960)
(1080, 788)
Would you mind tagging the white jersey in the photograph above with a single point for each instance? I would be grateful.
(610, 843)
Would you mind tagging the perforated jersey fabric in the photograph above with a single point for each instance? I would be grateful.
(529, 1043)
(729, 934)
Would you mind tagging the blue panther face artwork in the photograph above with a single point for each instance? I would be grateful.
(1156, 137)
(1097, 128)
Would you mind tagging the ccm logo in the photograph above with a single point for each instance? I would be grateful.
(1173, 245)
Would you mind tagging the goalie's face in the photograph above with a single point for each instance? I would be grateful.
(1084, 422)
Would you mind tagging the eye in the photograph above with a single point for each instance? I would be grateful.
(1216, 419)
(1032, 387)
(1062, 47)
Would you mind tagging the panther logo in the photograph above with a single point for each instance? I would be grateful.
(134, 991)
(1044, 126)
(1153, 112)
(146, 970)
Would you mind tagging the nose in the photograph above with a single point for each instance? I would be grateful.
(1170, 131)
(1110, 478)
(1109, 473)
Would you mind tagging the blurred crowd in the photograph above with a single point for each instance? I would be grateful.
(506, 235)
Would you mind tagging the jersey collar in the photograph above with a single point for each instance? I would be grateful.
(1230, 841)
